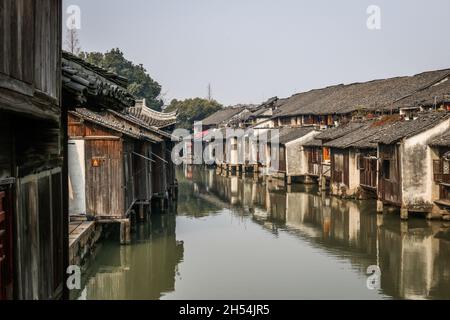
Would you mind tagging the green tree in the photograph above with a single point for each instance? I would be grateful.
(140, 83)
(191, 110)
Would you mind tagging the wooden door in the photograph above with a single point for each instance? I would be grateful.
(104, 178)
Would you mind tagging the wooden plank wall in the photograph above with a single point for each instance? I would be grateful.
(30, 38)
(16, 35)
(389, 190)
(39, 244)
(129, 173)
(142, 178)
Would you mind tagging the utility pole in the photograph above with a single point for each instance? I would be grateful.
(209, 92)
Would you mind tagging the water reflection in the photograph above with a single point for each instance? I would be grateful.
(414, 256)
(145, 270)
(236, 238)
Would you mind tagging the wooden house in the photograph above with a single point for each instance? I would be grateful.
(263, 113)
(324, 165)
(289, 153)
(222, 117)
(33, 228)
(316, 160)
(116, 157)
(335, 105)
(440, 148)
(354, 159)
(119, 158)
(163, 173)
(405, 175)
(159, 125)
(434, 95)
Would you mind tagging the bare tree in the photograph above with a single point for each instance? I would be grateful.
(72, 41)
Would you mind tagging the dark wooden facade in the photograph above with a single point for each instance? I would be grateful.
(441, 174)
(367, 166)
(115, 169)
(34, 229)
(340, 166)
(314, 157)
(121, 147)
(389, 177)
(124, 172)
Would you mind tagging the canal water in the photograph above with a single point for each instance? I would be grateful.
(238, 238)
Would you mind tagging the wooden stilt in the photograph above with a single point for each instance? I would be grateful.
(125, 232)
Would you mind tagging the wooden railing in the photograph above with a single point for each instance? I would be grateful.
(326, 169)
(368, 178)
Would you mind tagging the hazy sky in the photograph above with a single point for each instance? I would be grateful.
(251, 50)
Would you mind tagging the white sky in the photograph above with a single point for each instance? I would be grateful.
(251, 50)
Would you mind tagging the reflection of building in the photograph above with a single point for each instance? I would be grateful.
(413, 261)
(146, 270)
(413, 256)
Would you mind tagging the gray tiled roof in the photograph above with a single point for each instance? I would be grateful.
(287, 135)
(222, 116)
(374, 95)
(441, 141)
(151, 117)
(340, 131)
(111, 121)
(405, 129)
(86, 85)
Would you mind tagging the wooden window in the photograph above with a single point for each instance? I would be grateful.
(441, 171)
(445, 167)
(361, 162)
(330, 120)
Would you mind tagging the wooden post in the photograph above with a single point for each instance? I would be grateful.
(141, 212)
(323, 183)
(125, 232)
(380, 207)
(289, 180)
(404, 213)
